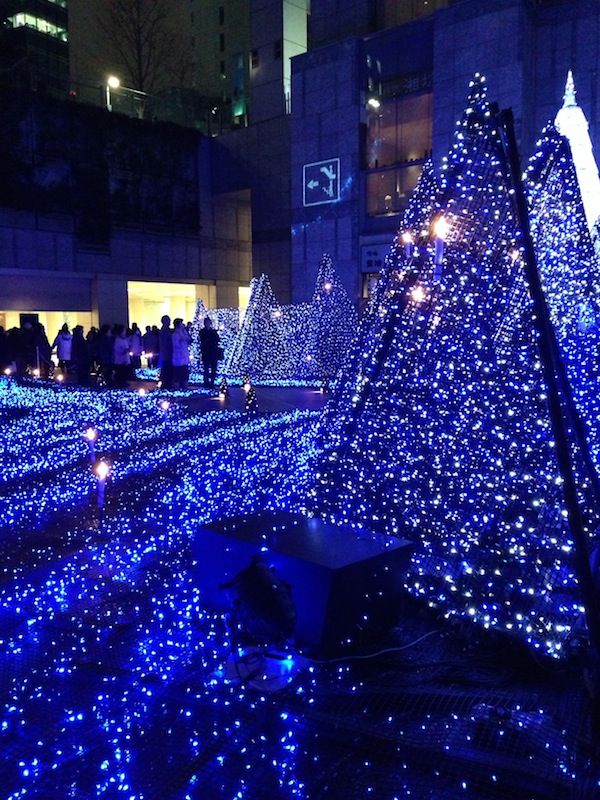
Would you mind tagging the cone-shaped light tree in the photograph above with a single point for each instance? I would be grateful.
(260, 348)
(441, 428)
(569, 271)
(332, 325)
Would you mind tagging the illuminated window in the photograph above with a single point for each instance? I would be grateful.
(399, 140)
(369, 282)
(389, 190)
(38, 24)
(399, 130)
(148, 301)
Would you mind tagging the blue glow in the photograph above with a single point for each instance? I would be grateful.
(439, 431)
(301, 342)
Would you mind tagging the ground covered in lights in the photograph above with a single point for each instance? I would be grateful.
(117, 682)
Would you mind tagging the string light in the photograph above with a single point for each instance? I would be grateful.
(439, 431)
(283, 344)
(279, 345)
(129, 570)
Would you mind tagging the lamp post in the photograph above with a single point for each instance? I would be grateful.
(440, 230)
(112, 83)
(102, 471)
(91, 434)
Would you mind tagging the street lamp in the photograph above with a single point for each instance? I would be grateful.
(112, 83)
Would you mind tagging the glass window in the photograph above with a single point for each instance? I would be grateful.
(369, 283)
(399, 131)
(391, 12)
(389, 190)
(148, 301)
(38, 24)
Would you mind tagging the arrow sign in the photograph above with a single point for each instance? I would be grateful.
(329, 172)
(321, 182)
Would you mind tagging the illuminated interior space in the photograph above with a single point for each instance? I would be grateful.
(398, 143)
(149, 301)
(51, 320)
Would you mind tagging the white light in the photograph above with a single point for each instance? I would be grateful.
(90, 434)
(440, 227)
(102, 470)
(418, 294)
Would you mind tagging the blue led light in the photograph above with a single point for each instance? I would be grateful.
(439, 430)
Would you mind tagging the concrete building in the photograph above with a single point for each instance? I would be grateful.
(333, 111)
(104, 218)
(34, 49)
(369, 109)
(242, 54)
(244, 51)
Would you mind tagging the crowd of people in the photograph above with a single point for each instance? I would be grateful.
(110, 355)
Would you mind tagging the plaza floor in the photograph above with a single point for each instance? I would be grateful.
(116, 682)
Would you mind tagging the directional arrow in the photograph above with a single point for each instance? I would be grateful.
(321, 181)
(329, 172)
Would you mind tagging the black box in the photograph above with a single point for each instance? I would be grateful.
(345, 586)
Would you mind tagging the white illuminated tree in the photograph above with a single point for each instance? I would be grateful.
(304, 341)
(260, 348)
(569, 269)
(570, 121)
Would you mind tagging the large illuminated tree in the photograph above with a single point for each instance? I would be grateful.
(440, 429)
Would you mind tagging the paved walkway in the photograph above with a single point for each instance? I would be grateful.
(269, 398)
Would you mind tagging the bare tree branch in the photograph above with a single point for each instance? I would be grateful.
(144, 40)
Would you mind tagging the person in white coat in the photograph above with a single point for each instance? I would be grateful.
(121, 357)
(181, 354)
(63, 345)
(135, 346)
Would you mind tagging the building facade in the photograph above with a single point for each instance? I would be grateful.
(104, 218)
(335, 110)
(370, 110)
(34, 49)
